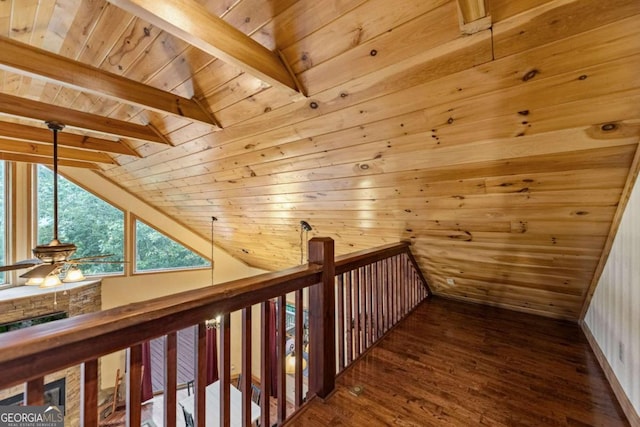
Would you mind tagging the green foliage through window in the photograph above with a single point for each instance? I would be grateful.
(93, 225)
(155, 251)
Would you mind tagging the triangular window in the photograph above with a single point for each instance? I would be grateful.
(156, 251)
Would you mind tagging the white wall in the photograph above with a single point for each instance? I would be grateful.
(613, 316)
(121, 290)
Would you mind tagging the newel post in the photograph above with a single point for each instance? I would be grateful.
(322, 341)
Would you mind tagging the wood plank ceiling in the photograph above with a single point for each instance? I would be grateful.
(500, 137)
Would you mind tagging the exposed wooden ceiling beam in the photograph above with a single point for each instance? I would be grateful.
(44, 135)
(191, 22)
(13, 157)
(23, 147)
(473, 16)
(22, 107)
(472, 10)
(24, 59)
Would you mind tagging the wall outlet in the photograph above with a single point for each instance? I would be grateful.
(450, 281)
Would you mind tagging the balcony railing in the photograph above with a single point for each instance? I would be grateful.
(352, 301)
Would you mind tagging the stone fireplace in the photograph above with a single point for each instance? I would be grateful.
(26, 302)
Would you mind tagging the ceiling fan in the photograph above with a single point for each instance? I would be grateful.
(51, 258)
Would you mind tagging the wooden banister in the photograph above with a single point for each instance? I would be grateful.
(353, 300)
(42, 349)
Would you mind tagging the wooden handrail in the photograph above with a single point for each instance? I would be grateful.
(364, 257)
(42, 349)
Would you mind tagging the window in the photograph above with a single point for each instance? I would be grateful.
(93, 225)
(155, 251)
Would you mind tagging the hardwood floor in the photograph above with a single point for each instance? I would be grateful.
(457, 364)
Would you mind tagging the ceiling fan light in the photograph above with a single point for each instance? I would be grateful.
(74, 274)
(35, 281)
(51, 281)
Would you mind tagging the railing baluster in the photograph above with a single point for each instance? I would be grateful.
(363, 308)
(349, 319)
(170, 378)
(374, 301)
(134, 385)
(245, 386)
(341, 313)
(370, 323)
(299, 349)
(89, 393)
(35, 391)
(265, 364)
(356, 313)
(281, 378)
(200, 375)
(225, 374)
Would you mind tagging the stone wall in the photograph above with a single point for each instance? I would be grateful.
(74, 299)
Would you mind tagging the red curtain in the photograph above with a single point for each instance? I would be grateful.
(273, 348)
(147, 388)
(212, 356)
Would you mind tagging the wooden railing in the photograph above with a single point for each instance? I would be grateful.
(355, 300)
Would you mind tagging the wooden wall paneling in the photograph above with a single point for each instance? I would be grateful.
(236, 155)
(615, 156)
(439, 157)
(5, 18)
(249, 16)
(220, 39)
(74, 23)
(503, 9)
(545, 304)
(354, 28)
(301, 19)
(556, 20)
(22, 19)
(447, 88)
(434, 28)
(234, 91)
(38, 34)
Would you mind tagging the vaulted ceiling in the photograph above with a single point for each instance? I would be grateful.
(499, 137)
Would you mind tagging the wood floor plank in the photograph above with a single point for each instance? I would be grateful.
(453, 364)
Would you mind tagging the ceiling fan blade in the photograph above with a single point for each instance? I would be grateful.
(97, 262)
(40, 271)
(20, 264)
(74, 260)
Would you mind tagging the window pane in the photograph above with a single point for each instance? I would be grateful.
(93, 225)
(155, 251)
